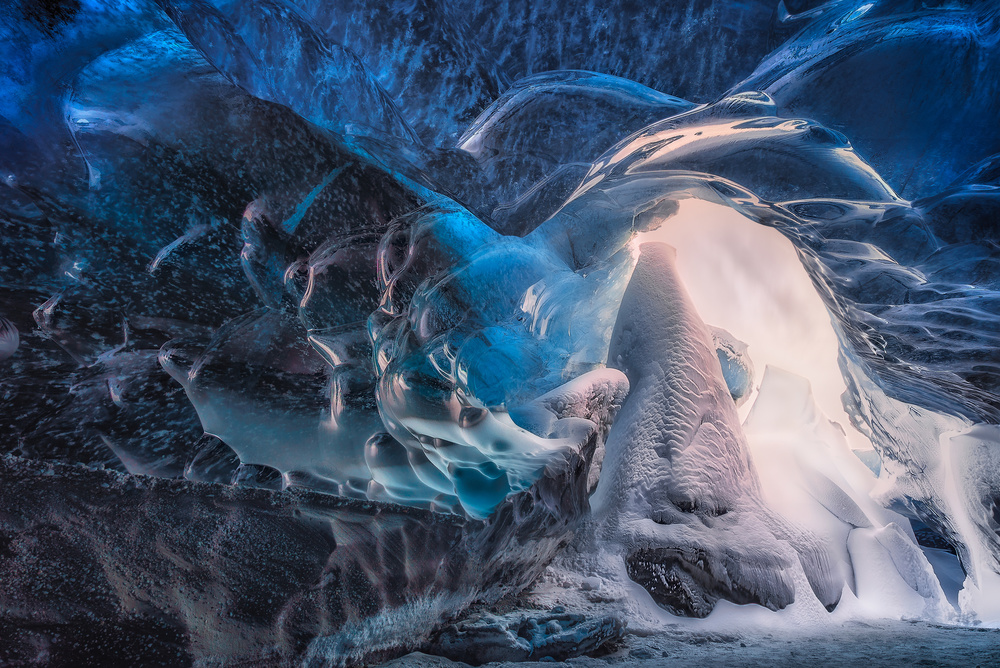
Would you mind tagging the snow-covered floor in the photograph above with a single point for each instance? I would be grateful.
(855, 643)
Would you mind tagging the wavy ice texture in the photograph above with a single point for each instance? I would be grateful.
(843, 67)
(681, 477)
(678, 484)
(380, 252)
(533, 159)
(869, 283)
(454, 369)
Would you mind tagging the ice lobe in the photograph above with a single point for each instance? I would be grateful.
(454, 368)
(261, 388)
(941, 469)
(679, 500)
(742, 138)
(809, 474)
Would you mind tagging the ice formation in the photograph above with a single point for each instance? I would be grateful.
(677, 484)
(367, 284)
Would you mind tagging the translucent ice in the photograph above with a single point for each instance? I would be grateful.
(454, 368)
(737, 367)
(378, 250)
(538, 139)
(901, 80)
(809, 474)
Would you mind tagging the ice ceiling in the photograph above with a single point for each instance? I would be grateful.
(413, 254)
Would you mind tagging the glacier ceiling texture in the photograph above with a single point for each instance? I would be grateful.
(322, 321)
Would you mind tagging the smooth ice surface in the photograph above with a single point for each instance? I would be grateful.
(809, 474)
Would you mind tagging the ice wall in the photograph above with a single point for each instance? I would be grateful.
(378, 250)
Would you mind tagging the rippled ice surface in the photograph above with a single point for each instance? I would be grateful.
(380, 251)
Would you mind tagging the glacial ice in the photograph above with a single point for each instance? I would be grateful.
(677, 483)
(846, 66)
(737, 367)
(402, 264)
(820, 483)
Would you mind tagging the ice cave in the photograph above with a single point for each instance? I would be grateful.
(445, 333)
